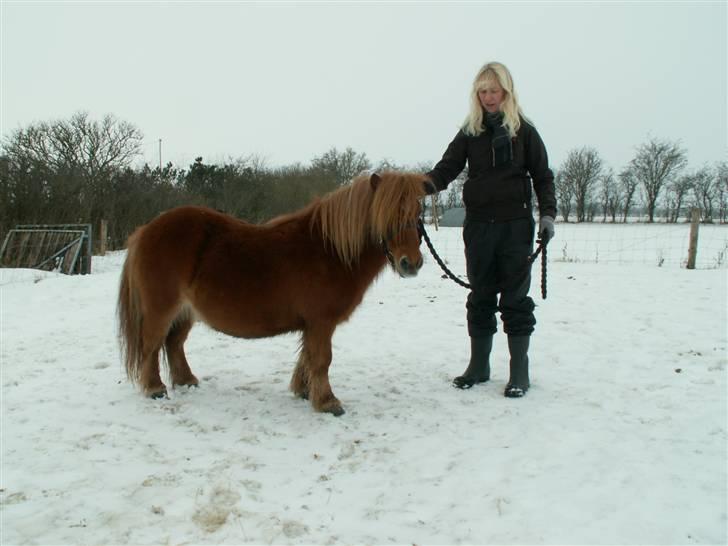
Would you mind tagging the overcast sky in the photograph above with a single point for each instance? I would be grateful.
(288, 81)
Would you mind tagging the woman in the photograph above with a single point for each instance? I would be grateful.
(506, 158)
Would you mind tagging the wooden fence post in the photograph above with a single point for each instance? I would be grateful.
(693, 245)
(434, 212)
(103, 233)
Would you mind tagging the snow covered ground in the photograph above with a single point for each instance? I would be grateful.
(621, 440)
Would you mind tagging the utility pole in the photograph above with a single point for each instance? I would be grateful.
(160, 157)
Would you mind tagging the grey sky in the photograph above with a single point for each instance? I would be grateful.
(288, 81)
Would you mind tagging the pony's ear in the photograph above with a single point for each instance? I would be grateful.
(375, 180)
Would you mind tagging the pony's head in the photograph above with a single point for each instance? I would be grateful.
(381, 210)
(395, 218)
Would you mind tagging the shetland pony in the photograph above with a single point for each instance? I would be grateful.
(306, 271)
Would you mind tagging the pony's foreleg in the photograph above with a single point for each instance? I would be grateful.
(179, 368)
(317, 347)
(299, 380)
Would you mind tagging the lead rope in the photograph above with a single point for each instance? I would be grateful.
(541, 249)
(543, 269)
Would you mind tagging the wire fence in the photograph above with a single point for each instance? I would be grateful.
(661, 245)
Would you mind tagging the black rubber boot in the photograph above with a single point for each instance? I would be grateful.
(519, 383)
(479, 368)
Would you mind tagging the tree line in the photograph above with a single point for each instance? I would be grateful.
(656, 184)
(81, 170)
(656, 180)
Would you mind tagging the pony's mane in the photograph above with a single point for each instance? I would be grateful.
(357, 215)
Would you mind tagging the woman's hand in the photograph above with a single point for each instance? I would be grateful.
(546, 229)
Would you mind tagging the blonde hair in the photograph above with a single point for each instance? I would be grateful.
(512, 113)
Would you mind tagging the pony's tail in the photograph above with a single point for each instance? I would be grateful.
(130, 319)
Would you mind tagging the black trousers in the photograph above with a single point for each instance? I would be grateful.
(496, 255)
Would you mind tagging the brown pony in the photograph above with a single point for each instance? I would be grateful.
(306, 271)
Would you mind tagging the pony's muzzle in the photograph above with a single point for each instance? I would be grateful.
(407, 268)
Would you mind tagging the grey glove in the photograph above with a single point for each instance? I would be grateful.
(546, 230)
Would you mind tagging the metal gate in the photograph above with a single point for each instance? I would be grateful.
(56, 247)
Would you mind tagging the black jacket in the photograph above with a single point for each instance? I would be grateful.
(504, 192)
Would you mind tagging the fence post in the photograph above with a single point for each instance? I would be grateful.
(435, 213)
(103, 232)
(693, 245)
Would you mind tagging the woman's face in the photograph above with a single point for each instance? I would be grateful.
(491, 96)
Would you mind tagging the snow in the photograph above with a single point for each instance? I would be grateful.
(621, 439)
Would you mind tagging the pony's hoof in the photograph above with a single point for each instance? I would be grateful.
(186, 381)
(334, 409)
(337, 411)
(156, 395)
(188, 385)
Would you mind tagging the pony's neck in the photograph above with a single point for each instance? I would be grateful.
(370, 264)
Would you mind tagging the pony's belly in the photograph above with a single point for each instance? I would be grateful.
(254, 333)
(248, 323)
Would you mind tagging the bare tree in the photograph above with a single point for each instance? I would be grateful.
(656, 163)
(387, 164)
(343, 165)
(721, 174)
(581, 171)
(454, 194)
(564, 195)
(74, 160)
(677, 192)
(78, 144)
(705, 187)
(420, 167)
(609, 195)
(628, 187)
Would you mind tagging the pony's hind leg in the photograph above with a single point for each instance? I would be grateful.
(179, 369)
(154, 333)
(317, 347)
(149, 378)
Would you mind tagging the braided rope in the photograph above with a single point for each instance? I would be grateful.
(543, 272)
(541, 249)
(449, 273)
